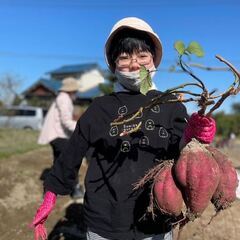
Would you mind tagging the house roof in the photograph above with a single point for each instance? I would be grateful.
(54, 85)
(50, 84)
(91, 93)
(75, 68)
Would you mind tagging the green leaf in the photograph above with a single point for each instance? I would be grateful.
(195, 48)
(146, 80)
(146, 84)
(180, 47)
(143, 73)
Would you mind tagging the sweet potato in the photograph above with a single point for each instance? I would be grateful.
(166, 193)
(198, 174)
(225, 193)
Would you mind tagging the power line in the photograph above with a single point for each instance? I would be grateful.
(170, 68)
(81, 57)
(49, 56)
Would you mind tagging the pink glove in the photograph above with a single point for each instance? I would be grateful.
(200, 127)
(41, 216)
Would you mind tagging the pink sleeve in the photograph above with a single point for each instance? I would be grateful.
(65, 107)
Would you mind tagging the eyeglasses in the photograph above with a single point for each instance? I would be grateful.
(143, 58)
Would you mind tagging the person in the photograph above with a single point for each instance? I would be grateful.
(232, 138)
(59, 124)
(112, 209)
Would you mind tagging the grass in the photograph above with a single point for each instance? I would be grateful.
(17, 141)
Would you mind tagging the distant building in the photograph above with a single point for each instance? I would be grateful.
(89, 77)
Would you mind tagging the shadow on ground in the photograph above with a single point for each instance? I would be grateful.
(71, 227)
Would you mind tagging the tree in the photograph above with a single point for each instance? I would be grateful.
(236, 108)
(107, 88)
(227, 124)
(9, 84)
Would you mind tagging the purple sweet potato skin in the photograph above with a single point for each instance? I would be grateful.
(198, 174)
(225, 193)
(167, 195)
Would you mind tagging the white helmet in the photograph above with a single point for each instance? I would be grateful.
(137, 24)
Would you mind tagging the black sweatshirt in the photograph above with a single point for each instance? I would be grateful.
(111, 208)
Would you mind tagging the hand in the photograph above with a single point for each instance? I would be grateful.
(42, 214)
(200, 127)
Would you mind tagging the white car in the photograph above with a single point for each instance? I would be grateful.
(23, 117)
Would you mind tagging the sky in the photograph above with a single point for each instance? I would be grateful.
(38, 36)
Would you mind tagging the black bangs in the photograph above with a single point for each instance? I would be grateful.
(130, 41)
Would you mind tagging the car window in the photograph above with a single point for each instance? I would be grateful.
(8, 112)
(45, 112)
(28, 112)
(17, 112)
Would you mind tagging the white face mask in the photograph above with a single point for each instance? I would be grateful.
(131, 80)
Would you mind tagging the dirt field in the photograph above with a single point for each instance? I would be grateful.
(21, 191)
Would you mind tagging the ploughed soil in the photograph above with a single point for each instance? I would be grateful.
(21, 193)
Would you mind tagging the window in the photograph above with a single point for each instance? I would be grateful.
(28, 112)
(8, 112)
(17, 112)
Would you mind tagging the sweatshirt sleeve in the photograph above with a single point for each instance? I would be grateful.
(62, 177)
(65, 107)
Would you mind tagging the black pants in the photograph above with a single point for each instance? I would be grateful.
(58, 145)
